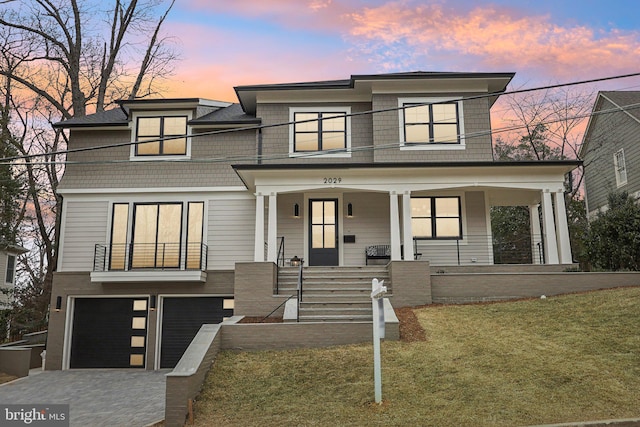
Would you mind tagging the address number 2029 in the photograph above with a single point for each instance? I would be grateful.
(332, 180)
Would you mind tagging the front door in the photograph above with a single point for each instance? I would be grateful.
(323, 232)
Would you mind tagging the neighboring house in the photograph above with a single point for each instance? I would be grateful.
(8, 262)
(611, 148)
(163, 235)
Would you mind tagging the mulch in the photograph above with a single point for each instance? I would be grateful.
(410, 328)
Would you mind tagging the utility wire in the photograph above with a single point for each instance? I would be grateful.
(288, 123)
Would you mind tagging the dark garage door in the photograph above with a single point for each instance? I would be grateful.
(109, 333)
(181, 320)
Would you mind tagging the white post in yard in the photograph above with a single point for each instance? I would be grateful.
(377, 302)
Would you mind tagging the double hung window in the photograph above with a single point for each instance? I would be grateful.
(320, 131)
(620, 167)
(11, 269)
(431, 123)
(166, 136)
(436, 217)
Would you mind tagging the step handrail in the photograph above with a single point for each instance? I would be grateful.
(299, 288)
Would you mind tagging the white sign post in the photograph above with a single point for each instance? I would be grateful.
(377, 294)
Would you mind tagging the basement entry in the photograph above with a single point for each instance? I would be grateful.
(182, 317)
(109, 333)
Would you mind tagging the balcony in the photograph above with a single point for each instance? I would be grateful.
(150, 262)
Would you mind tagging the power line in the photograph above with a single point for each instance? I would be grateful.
(288, 123)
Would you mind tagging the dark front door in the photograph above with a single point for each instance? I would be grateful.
(323, 232)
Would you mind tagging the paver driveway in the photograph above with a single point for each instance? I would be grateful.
(96, 397)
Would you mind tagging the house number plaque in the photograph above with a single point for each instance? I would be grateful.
(333, 180)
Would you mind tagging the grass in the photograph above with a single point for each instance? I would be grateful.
(561, 359)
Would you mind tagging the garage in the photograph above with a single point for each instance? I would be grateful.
(182, 317)
(109, 333)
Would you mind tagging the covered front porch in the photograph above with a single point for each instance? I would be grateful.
(354, 215)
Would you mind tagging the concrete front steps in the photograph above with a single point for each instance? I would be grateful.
(333, 294)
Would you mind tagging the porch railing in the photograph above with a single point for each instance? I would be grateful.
(280, 253)
(157, 256)
(482, 249)
(299, 288)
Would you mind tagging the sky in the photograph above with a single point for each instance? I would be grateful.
(226, 43)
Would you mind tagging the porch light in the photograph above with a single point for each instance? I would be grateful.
(296, 211)
(295, 261)
(152, 303)
(349, 210)
(58, 303)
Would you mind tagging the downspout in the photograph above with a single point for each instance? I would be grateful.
(260, 145)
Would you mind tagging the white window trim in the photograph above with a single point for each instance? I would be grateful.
(619, 179)
(428, 146)
(320, 154)
(13, 276)
(161, 113)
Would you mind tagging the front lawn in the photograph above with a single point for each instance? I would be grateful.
(560, 359)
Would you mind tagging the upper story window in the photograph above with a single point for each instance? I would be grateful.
(431, 123)
(11, 269)
(436, 217)
(325, 131)
(620, 167)
(160, 135)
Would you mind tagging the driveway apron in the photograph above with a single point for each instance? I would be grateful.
(96, 397)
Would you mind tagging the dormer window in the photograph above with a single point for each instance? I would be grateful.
(320, 132)
(165, 133)
(160, 134)
(431, 123)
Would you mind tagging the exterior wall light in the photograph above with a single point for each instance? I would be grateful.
(350, 210)
(152, 303)
(296, 211)
(58, 303)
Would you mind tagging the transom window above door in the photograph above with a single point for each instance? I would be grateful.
(166, 136)
(316, 131)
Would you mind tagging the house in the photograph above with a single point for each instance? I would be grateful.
(610, 148)
(8, 263)
(179, 212)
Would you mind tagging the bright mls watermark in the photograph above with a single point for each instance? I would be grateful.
(34, 415)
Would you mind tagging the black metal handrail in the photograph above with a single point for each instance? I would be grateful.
(280, 256)
(300, 280)
(159, 256)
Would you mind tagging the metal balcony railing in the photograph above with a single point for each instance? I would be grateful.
(155, 256)
(482, 249)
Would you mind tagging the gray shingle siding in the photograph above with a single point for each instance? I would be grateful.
(387, 132)
(213, 170)
(609, 133)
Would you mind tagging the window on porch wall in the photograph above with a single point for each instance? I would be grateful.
(436, 217)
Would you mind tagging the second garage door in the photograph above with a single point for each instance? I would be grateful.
(181, 320)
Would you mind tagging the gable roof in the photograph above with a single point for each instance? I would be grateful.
(628, 101)
(232, 114)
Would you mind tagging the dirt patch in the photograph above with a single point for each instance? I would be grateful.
(410, 328)
(261, 320)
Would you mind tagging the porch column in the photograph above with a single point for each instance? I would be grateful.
(536, 234)
(394, 226)
(564, 243)
(258, 252)
(272, 238)
(550, 241)
(407, 232)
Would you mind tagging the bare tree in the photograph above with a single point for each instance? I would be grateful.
(61, 59)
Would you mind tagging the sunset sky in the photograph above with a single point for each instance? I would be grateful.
(225, 43)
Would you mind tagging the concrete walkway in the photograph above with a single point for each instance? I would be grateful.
(96, 397)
